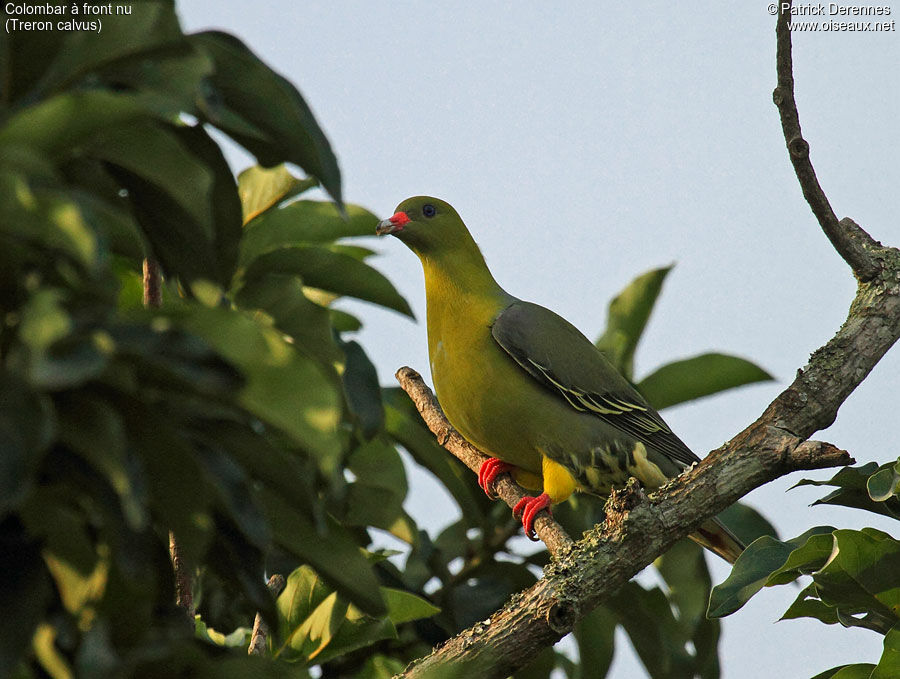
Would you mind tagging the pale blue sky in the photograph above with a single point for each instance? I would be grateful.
(587, 142)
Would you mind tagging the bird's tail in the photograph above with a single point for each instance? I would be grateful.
(717, 538)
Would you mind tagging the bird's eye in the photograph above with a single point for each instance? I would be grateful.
(428, 210)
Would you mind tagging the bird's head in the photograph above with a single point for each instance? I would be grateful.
(427, 226)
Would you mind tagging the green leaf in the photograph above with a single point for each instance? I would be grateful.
(44, 321)
(310, 615)
(404, 528)
(30, 166)
(273, 121)
(169, 358)
(304, 222)
(225, 232)
(92, 427)
(806, 559)
(356, 251)
(149, 26)
(82, 219)
(303, 592)
(57, 125)
(184, 195)
(357, 631)
(332, 271)
(627, 317)
(239, 563)
(239, 638)
(178, 498)
(889, 664)
(168, 81)
(808, 605)
(263, 188)
(380, 667)
(24, 58)
(406, 606)
(283, 298)
(277, 467)
(540, 667)
(283, 387)
(746, 522)
(52, 358)
(846, 477)
(453, 542)
(647, 618)
(862, 574)
(706, 645)
(332, 552)
(485, 590)
(693, 378)
(855, 671)
(569, 668)
(883, 484)
(50, 515)
(685, 572)
(853, 572)
(595, 634)
(49, 220)
(344, 322)
(27, 428)
(78, 588)
(232, 487)
(376, 497)
(763, 557)
(362, 389)
(860, 499)
(852, 490)
(317, 624)
(114, 223)
(46, 653)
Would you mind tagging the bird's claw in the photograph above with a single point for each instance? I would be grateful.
(527, 510)
(488, 472)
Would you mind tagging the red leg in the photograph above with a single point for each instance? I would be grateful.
(488, 472)
(527, 510)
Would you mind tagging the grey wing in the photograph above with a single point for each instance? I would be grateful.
(561, 358)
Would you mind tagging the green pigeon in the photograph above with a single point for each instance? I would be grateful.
(525, 386)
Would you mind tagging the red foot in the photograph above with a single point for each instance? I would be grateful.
(490, 469)
(527, 510)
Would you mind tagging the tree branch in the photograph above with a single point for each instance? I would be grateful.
(152, 284)
(637, 529)
(551, 533)
(850, 241)
(640, 527)
(184, 595)
(260, 632)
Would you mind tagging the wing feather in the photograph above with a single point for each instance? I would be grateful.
(562, 359)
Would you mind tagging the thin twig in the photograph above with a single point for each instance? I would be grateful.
(851, 243)
(152, 284)
(551, 533)
(260, 628)
(184, 596)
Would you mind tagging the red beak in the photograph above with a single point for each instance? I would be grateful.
(392, 224)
